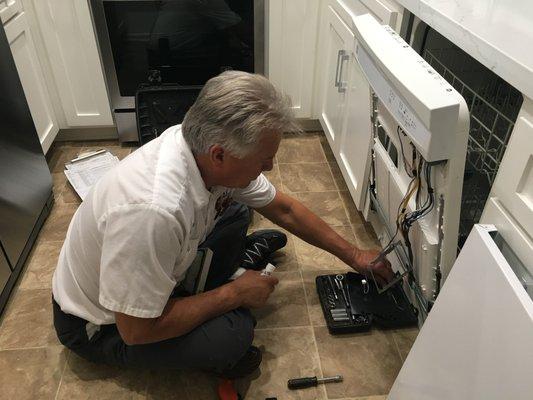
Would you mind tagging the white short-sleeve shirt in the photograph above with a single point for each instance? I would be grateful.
(132, 239)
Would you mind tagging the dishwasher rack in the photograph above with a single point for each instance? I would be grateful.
(494, 107)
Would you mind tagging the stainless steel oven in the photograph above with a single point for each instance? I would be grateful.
(182, 42)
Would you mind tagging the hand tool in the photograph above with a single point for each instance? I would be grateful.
(331, 301)
(340, 318)
(301, 383)
(340, 284)
(339, 311)
(381, 257)
(366, 287)
(332, 287)
(352, 308)
(397, 278)
(339, 315)
(383, 253)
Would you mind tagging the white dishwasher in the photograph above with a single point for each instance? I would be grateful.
(416, 153)
(477, 341)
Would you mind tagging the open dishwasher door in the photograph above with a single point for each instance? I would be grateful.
(477, 342)
(417, 154)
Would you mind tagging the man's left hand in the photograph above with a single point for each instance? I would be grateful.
(363, 263)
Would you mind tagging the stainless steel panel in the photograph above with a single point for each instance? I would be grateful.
(119, 102)
(5, 270)
(106, 57)
(25, 181)
(126, 125)
(259, 36)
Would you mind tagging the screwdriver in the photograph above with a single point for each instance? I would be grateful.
(301, 383)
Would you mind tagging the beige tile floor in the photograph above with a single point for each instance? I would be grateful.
(291, 329)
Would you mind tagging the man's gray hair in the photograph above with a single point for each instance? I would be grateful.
(233, 110)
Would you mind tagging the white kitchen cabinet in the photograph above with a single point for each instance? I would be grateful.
(8, 9)
(510, 204)
(338, 40)
(31, 75)
(70, 43)
(292, 35)
(342, 91)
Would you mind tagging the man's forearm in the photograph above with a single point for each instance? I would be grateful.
(299, 220)
(181, 315)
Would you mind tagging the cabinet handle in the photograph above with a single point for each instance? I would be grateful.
(341, 87)
(337, 81)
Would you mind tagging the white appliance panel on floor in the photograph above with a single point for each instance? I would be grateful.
(477, 342)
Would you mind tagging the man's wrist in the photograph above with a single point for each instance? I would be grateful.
(353, 257)
(229, 296)
(349, 256)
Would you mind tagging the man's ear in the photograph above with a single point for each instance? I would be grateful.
(217, 155)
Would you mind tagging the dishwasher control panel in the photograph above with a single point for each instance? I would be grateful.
(428, 109)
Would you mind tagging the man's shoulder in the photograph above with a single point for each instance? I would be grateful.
(153, 175)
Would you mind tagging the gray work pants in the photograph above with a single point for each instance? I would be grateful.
(216, 345)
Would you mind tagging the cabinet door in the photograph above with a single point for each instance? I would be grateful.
(292, 39)
(338, 43)
(356, 138)
(356, 132)
(32, 79)
(510, 204)
(70, 41)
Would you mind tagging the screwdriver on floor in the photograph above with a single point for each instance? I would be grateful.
(301, 383)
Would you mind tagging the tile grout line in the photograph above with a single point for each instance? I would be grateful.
(342, 201)
(310, 139)
(27, 348)
(333, 176)
(397, 346)
(303, 162)
(62, 374)
(278, 173)
(312, 327)
(322, 148)
(312, 191)
(285, 328)
(339, 193)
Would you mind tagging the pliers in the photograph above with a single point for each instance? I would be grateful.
(382, 256)
(387, 250)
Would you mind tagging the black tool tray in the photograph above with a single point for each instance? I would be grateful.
(159, 107)
(390, 309)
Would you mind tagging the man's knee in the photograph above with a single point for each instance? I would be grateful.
(231, 337)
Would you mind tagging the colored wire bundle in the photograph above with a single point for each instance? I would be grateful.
(420, 174)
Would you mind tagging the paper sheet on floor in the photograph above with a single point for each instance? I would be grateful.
(85, 170)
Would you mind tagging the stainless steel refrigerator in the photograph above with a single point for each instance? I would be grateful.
(25, 181)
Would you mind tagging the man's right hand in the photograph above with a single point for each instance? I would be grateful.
(253, 289)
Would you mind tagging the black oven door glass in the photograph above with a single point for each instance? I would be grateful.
(183, 42)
